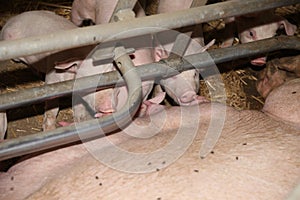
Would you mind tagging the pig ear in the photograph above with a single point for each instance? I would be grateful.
(68, 66)
(159, 51)
(290, 29)
(158, 98)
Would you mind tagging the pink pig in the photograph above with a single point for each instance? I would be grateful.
(99, 12)
(182, 88)
(257, 26)
(34, 23)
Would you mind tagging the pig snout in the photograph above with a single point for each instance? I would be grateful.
(106, 107)
(259, 61)
(187, 97)
(190, 98)
(106, 101)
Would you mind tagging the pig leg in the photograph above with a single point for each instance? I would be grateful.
(51, 106)
(51, 111)
(229, 31)
(3, 127)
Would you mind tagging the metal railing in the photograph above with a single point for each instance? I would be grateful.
(163, 69)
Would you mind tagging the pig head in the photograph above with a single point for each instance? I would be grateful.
(257, 26)
(183, 88)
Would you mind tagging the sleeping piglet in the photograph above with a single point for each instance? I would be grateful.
(256, 26)
(157, 157)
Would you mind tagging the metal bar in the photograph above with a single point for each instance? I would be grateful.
(148, 71)
(95, 34)
(183, 40)
(85, 130)
(121, 5)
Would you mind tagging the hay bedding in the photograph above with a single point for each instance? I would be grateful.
(239, 84)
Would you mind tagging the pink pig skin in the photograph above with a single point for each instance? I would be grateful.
(255, 158)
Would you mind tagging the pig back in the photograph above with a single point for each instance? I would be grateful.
(34, 23)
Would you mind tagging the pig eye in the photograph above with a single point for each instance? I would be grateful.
(251, 33)
(195, 74)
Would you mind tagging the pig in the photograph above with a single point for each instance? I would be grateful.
(276, 73)
(182, 88)
(256, 157)
(64, 65)
(256, 26)
(50, 63)
(97, 11)
(100, 12)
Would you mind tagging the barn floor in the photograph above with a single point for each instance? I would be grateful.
(239, 79)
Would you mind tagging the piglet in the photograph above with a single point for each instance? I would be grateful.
(182, 88)
(100, 12)
(97, 11)
(277, 72)
(256, 26)
(34, 23)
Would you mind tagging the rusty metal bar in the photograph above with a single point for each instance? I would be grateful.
(148, 71)
(85, 130)
(95, 34)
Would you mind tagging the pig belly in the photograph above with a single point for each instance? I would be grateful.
(255, 158)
